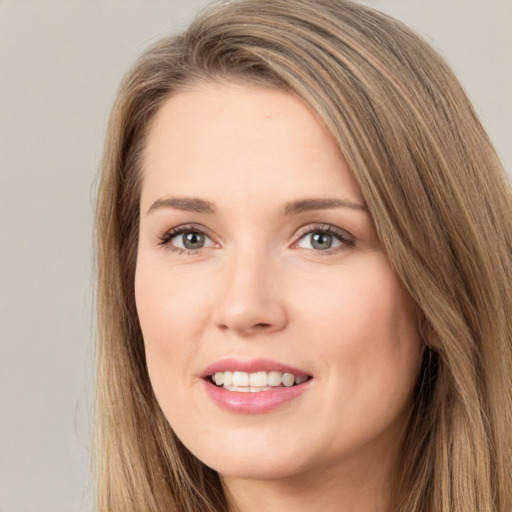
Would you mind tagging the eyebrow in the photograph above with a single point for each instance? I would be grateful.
(183, 203)
(306, 205)
(290, 208)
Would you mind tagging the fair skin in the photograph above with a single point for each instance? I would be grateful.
(269, 280)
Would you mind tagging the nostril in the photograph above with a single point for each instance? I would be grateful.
(261, 326)
(247, 318)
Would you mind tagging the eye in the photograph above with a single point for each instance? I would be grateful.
(187, 239)
(324, 239)
(190, 240)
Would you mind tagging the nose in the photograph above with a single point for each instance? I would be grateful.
(250, 300)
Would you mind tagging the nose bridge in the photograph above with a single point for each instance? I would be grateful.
(249, 300)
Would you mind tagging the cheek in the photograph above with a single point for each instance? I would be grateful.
(169, 302)
(365, 336)
(365, 331)
(172, 310)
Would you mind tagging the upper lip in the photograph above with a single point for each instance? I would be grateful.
(251, 366)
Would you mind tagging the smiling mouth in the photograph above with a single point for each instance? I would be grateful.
(244, 382)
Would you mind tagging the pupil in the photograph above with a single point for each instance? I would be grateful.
(321, 240)
(193, 240)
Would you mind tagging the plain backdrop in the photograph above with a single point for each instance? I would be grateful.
(60, 65)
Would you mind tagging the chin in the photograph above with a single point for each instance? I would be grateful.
(257, 468)
(259, 457)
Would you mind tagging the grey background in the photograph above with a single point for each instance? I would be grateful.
(60, 64)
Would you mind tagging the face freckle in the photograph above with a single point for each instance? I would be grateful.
(269, 289)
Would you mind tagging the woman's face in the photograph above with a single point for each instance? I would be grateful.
(259, 262)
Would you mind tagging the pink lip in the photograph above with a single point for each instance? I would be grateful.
(252, 366)
(252, 403)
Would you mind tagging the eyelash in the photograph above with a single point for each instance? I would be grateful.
(165, 239)
(345, 238)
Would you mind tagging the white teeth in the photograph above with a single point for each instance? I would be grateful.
(257, 381)
(236, 388)
(300, 379)
(288, 379)
(274, 378)
(247, 389)
(228, 378)
(240, 379)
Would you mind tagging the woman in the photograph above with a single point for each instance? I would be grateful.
(304, 259)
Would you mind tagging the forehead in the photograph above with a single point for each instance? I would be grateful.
(244, 139)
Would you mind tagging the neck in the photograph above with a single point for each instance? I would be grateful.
(365, 486)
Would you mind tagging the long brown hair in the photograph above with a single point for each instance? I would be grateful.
(442, 206)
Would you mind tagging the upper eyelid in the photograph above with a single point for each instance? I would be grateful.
(330, 228)
(189, 227)
(168, 234)
(318, 226)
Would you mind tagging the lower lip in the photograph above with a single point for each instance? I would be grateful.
(254, 403)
